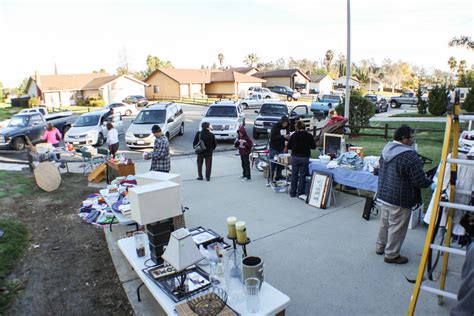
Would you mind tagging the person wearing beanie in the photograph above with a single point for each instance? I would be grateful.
(160, 157)
(244, 144)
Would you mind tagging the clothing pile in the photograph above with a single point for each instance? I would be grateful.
(101, 209)
(350, 160)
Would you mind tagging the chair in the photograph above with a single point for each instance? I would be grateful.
(89, 161)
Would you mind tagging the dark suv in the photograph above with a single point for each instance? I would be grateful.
(381, 104)
(290, 93)
(139, 100)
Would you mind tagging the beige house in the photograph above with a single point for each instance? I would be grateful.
(340, 83)
(57, 90)
(375, 85)
(178, 83)
(293, 78)
(320, 84)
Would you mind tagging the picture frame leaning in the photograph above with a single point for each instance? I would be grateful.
(320, 190)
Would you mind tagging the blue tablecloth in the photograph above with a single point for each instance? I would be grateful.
(363, 180)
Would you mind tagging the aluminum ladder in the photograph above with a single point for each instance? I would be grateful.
(452, 129)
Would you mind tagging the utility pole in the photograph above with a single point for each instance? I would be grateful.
(348, 60)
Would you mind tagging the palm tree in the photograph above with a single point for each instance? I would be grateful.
(220, 57)
(251, 59)
(461, 68)
(452, 63)
(328, 59)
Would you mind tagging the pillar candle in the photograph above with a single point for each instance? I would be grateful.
(231, 226)
(241, 232)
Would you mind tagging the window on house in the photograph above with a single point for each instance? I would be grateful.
(156, 89)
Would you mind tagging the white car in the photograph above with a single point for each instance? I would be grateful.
(466, 139)
(123, 108)
(255, 101)
(90, 128)
(225, 118)
(169, 116)
(264, 93)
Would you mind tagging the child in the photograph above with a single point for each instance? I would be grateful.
(244, 144)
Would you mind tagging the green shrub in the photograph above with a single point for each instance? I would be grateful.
(422, 104)
(34, 101)
(360, 110)
(468, 104)
(95, 101)
(438, 100)
(81, 103)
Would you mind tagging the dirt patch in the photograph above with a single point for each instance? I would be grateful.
(67, 268)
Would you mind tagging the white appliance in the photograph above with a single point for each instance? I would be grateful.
(156, 176)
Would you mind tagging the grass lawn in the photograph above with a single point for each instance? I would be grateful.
(15, 240)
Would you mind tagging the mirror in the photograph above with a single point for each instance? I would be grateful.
(256, 111)
(170, 120)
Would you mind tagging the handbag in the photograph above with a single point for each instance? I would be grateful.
(200, 147)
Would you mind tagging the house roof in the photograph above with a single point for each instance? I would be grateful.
(318, 78)
(352, 78)
(243, 70)
(234, 76)
(65, 82)
(280, 73)
(98, 83)
(186, 75)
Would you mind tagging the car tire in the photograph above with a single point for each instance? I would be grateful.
(19, 143)
(267, 97)
(181, 130)
(128, 113)
(100, 140)
(394, 104)
(289, 98)
(255, 134)
(167, 135)
(245, 105)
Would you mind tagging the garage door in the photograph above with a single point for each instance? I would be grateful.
(184, 90)
(197, 90)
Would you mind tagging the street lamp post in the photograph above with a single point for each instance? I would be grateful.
(348, 65)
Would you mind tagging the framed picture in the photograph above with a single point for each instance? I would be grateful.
(203, 236)
(333, 144)
(320, 190)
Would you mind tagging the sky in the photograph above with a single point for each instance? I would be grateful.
(82, 36)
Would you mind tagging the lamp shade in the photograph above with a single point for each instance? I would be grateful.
(181, 251)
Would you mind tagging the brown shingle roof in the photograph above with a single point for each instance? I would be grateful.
(243, 70)
(233, 76)
(318, 78)
(66, 82)
(186, 75)
(280, 73)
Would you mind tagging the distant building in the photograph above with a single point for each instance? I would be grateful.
(293, 78)
(320, 84)
(340, 83)
(57, 90)
(375, 85)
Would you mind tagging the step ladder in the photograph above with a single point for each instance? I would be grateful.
(452, 129)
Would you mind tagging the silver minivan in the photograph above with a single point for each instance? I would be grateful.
(169, 116)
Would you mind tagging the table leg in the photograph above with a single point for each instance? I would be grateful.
(282, 313)
(111, 223)
(138, 292)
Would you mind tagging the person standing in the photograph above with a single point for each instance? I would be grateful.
(278, 137)
(210, 142)
(112, 139)
(301, 142)
(401, 175)
(244, 144)
(160, 157)
(52, 135)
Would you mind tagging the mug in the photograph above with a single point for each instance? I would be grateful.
(252, 267)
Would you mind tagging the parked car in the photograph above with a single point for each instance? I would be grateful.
(405, 98)
(325, 103)
(90, 128)
(269, 114)
(168, 115)
(264, 93)
(44, 111)
(254, 101)
(125, 109)
(283, 90)
(32, 125)
(466, 139)
(380, 103)
(225, 118)
(139, 100)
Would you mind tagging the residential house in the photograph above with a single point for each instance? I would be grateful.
(57, 90)
(320, 84)
(178, 83)
(293, 78)
(340, 83)
(375, 85)
(249, 71)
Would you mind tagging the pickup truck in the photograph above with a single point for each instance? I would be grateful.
(32, 125)
(255, 101)
(404, 98)
(325, 103)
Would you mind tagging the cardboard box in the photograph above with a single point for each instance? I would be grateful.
(156, 176)
(155, 202)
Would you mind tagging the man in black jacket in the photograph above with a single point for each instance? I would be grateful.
(278, 136)
(301, 142)
(210, 142)
(401, 174)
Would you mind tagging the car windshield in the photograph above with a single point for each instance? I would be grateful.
(372, 98)
(222, 111)
(330, 97)
(274, 109)
(151, 117)
(18, 121)
(87, 120)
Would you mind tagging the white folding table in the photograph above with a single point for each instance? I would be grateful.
(272, 301)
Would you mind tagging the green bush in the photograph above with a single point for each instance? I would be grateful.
(468, 104)
(360, 110)
(95, 101)
(438, 100)
(422, 104)
(34, 101)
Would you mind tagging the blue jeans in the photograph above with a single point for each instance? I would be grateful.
(299, 169)
(273, 167)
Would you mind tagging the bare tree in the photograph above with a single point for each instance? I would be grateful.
(463, 41)
(251, 60)
(220, 57)
(123, 63)
(452, 63)
(328, 59)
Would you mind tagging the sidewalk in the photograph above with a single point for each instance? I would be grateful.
(324, 260)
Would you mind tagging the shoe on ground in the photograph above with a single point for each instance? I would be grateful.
(200, 178)
(379, 252)
(245, 179)
(241, 177)
(208, 179)
(292, 195)
(397, 260)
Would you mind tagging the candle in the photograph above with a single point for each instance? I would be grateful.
(231, 227)
(241, 232)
